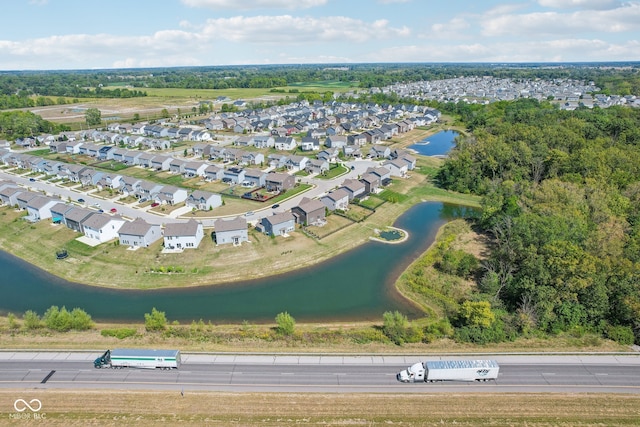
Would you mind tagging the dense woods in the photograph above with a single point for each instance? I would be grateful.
(561, 200)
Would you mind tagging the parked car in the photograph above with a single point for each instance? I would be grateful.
(276, 206)
(81, 200)
(100, 211)
(113, 210)
(154, 204)
(249, 213)
(32, 179)
(142, 200)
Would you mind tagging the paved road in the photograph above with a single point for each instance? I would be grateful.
(319, 373)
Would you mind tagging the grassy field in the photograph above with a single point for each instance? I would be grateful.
(199, 408)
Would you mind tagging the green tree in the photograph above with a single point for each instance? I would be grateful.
(477, 313)
(80, 320)
(93, 117)
(31, 320)
(155, 321)
(394, 326)
(286, 323)
(57, 319)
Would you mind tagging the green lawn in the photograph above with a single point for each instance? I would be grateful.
(335, 171)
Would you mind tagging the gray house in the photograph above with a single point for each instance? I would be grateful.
(279, 181)
(309, 211)
(203, 200)
(279, 224)
(139, 233)
(231, 231)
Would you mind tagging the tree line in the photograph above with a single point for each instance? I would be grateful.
(561, 201)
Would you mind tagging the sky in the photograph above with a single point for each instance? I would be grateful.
(98, 34)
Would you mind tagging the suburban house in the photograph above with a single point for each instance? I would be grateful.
(277, 161)
(213, 173)
(309, 144)
(102, 227)
(371, 182)
(59, 211)
(309, 211)
(396, 167)
(40, 207)
(234, 175)
(193, 169)
(329, 154)
(203, 200)
(381, 172)
(338, 199)
(231, 231)
(354, 188)
(254, 178)
(317, 166)
(177, 166)
(278, 224)
(148, 190)
(285, 143)
(24, 197)
(183, 235)
(9, 195)
(170, 194)
(279, 181)
(378, 151)
(74, 219)
(335, 141)
(297, 163)
(264, 141)
(161, 163)
(139, 233)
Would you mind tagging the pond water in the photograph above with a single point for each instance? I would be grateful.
(438, 144)
(390, 235)
(357, 285)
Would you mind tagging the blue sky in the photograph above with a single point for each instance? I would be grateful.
(86, 34)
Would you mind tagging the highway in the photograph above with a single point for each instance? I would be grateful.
(609, 373)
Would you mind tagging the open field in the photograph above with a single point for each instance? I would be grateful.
(197, 408)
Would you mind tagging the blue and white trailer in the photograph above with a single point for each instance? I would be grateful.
(450, 370)
(138, 358)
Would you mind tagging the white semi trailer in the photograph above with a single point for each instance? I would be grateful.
(138, 358)
(450, 370)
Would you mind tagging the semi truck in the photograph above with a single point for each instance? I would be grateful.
(138, 358)
(450, 370)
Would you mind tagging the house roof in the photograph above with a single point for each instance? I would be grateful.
(97, 221)
(280, 218)
(137, 227)
(309, 205)
(238, 223)
(177, 229)
(78, 214)
(338, 194)
(39, 202)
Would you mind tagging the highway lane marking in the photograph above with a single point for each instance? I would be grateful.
(427, 387)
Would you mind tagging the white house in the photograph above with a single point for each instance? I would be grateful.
(185, 235)
(102, 227)
(231, 231)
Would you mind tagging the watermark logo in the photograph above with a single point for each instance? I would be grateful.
(21, 405)
(27, 410)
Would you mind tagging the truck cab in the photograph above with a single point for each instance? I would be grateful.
(413, 373)
(104, 360)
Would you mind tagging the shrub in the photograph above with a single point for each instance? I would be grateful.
(120, 333)
(155, 321)
(397, 328)
(13, 322)
(286, 323)
(620, 334)
(57, 319)
(80, 320)
(31, 320)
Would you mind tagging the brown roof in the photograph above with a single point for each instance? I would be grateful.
(137, 227)
(189, 228)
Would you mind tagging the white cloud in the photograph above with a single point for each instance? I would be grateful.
(565, 50)
(255, 4)
(298, 30)
(453, 29)
(625, 18)
(580, 4)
